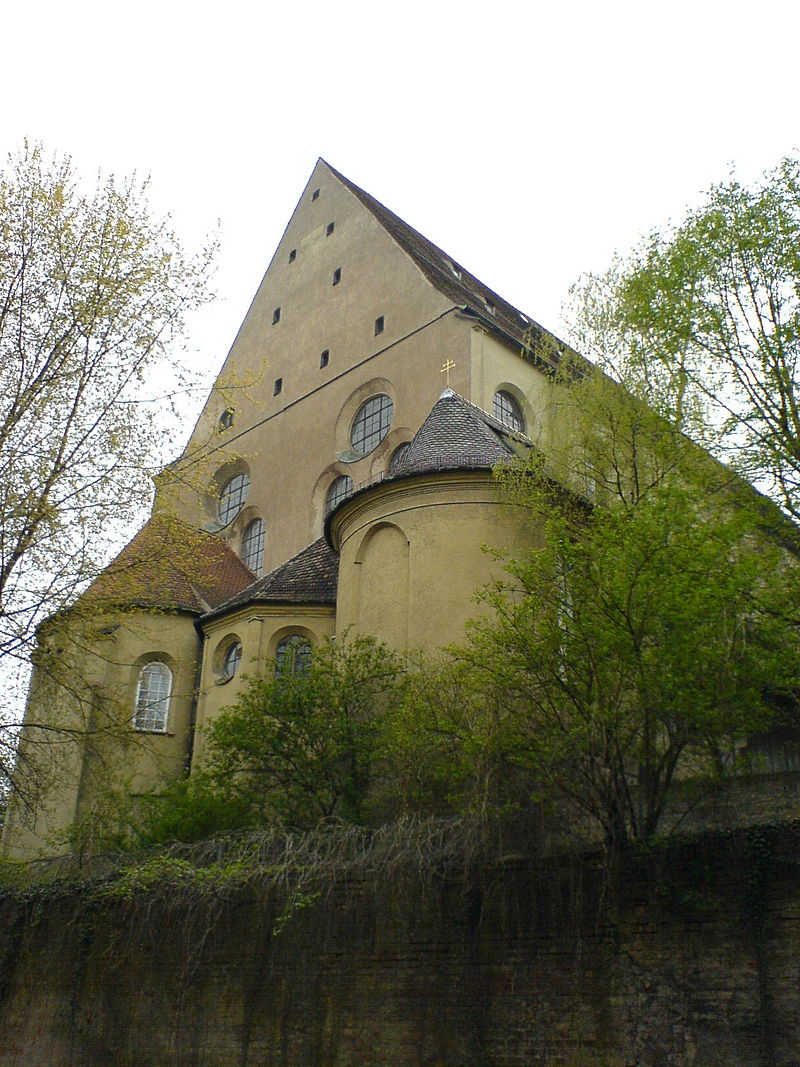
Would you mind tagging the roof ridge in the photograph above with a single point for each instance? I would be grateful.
(458, 284)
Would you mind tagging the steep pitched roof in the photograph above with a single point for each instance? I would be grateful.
(458, 434)
(310, 577)
(174, 567)
(458, 285)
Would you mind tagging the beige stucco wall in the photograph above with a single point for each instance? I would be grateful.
(412, 556)
(259, 628)
(88, 711)
(292, 444)
(496, 366)
(295, 444)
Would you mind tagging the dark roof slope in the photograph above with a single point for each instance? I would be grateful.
(457, 434)
(459, 285)
(173, 567)
(310, 577)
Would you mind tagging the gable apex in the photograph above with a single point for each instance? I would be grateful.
(457, 284)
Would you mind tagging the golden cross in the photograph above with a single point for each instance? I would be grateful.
(447, 366)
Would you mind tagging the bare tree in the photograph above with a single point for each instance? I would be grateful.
(94, 293)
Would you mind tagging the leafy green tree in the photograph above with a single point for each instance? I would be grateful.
(94, 293)
(652, 626)
(704, 317)
(192, 809)
(307, 748)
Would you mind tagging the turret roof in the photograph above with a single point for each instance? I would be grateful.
(457, 434)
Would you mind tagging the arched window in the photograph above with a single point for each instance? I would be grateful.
(398, 456)
(253, 546)
(339, 489)
(232, 497)
(292, 656)
(506, 410)
(231, 660)
(153, 691)
(371, 423)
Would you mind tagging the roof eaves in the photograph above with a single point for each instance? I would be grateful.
(446, 468)
(463, 287)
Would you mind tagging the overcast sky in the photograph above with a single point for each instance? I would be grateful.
(530, 141)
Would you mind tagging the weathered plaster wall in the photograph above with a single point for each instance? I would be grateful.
(412, 555)
(696, 960)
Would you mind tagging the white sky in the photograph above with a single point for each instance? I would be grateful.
(528, 140)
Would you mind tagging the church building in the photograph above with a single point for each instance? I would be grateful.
(339, 478)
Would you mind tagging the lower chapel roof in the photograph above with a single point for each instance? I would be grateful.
(172, 566)
(310, 577)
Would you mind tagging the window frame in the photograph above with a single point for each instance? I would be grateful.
(379, 406)
(145, 719)
(227, 510)
(300, 649)
(505, 404)
(340, 488)
(398, 455)
(231, 660)
(252, 545)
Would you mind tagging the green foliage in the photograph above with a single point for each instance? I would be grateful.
(190, 810)
(704, 318)
(298, 902)
(166, 874)
(303, 749)
(445, 754)
(648, 630)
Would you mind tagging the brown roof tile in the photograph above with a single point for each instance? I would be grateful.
(172, 566)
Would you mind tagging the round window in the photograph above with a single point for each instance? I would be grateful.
(371, 423)
(232, 497)
(231, 660)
